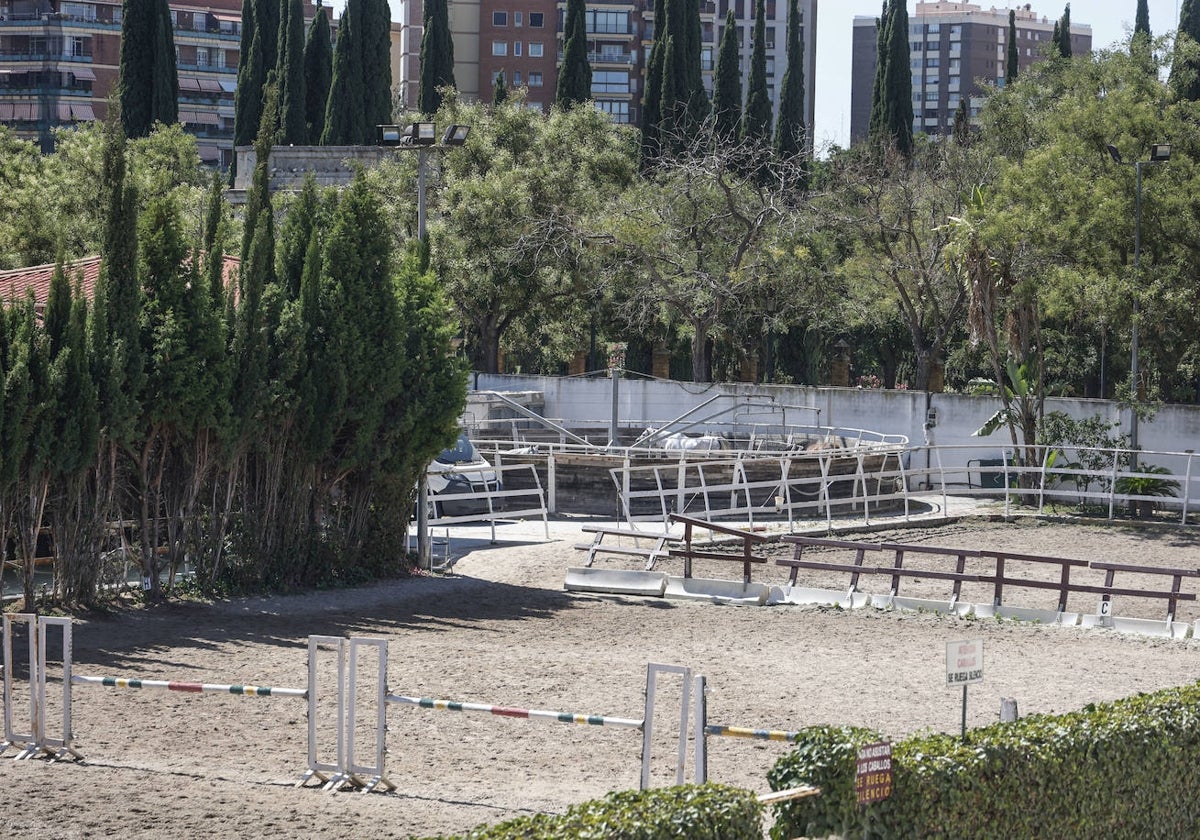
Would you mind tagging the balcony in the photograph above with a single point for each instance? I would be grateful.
(609, 58)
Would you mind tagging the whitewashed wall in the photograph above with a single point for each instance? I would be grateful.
(577, 400)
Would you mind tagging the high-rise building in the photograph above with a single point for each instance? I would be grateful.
(523, 38)
(59, 61)
(955, 49)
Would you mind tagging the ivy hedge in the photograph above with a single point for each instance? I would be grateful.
(1124, 769)
(694, 812)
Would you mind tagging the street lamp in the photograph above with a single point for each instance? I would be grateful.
(422, 136)
(1159, 153)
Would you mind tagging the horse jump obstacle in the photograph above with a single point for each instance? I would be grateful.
(345, 769)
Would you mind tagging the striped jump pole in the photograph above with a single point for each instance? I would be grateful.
(192, 687)
(645, 725)
(705, 730)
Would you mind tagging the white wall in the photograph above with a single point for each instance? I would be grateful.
(1176, 428)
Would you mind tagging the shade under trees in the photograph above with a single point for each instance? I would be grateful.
(575, 72)
(148, 79)
(437, 56)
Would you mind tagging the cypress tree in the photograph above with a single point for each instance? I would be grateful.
(247, 106)
(668, 140)
(961, 133)
(375, 26)
(898, 82)
(756, 119)
(689, 68)
(790, 130)
(318, 74)
(499, 90)
(727, 84)
(437, 56)
(148, 83)
(166, 72)
(1185, 68)
(575, 73)
(1141, 20)
(652, 95)
(1064, 33)
(345, 120)
(289, 71)
(878, 123)
(1013, 66)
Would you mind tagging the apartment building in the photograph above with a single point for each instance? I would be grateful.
(523, 38)
(59, 61)
(956, 50)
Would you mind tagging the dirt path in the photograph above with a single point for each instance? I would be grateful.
(501, 630)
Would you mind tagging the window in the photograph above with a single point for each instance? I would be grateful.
(499, 18)
(81, 11)
(537, 20)
(931, 96)
(619, 111)
(610, 81)
(933, 28)
(516, 78)
(535, 79)
(499, 47)
(932, 61)
(955, 65)
(608, 22)
(219, 57)
(516, 47)
(536, 50)
(517, 16)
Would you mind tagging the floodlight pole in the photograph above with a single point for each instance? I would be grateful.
(1133, 334)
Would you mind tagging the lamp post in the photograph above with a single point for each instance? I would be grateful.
(422, 136)
(1159, 153)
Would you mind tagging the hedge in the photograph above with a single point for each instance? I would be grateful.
(695, 812)
(1130, 768)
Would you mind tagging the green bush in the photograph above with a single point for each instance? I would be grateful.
(1123, 769)
(826, 757)
(694, 812)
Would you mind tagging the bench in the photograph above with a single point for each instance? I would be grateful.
(746, 557)
(599, 546)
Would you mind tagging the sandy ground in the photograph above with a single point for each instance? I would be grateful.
(501, 630)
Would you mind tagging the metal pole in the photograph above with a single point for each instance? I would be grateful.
(612, 428)
(1133, 340)
(964, 714)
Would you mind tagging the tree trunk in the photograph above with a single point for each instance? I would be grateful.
(700, 351)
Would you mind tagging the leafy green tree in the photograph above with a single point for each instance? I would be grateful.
(511, 246)
(259, 56)
(147, 85)
(575, 73)
(318, 74)
(790, 133)
(1012, 66)
(962, 124)
(437, 57)
(727, 85)
(289, 71)
(756, 119)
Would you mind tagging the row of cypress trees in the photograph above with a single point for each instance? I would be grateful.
(148, 83)
(267, 420)
(327, 96)
(675, 101)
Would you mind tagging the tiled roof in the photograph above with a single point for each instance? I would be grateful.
(81, 273)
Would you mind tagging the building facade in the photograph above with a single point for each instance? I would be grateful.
(59, 61)
(955, 50)
(523, 38)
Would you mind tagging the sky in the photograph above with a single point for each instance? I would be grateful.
(1109, 19)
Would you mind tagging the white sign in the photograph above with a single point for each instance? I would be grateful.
(964, 662)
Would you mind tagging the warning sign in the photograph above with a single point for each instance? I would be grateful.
(873, 779)
(964, 662)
